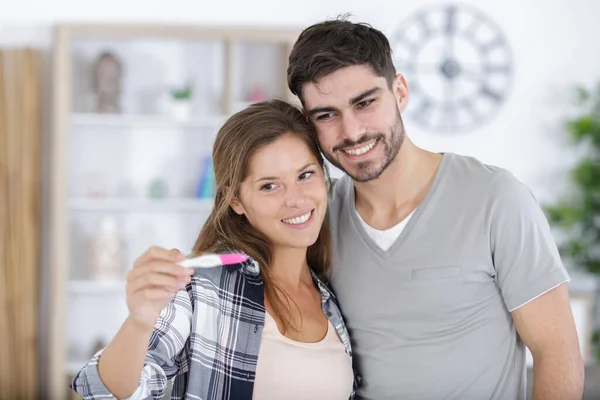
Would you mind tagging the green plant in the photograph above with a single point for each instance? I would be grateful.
(596, 342)
(577, 214)
(183, 93)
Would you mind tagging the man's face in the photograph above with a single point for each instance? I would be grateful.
(357, 118)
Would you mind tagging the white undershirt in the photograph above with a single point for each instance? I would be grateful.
(384, 239)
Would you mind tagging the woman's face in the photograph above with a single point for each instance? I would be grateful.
(284, 195)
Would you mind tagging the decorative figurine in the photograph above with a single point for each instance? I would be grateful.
(107, 255)
(107, 83)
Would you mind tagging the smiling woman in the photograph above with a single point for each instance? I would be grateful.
(268, 172)
(267, 328)
(284, 194)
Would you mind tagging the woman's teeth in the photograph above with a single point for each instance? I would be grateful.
(298, 220)
(362, 150)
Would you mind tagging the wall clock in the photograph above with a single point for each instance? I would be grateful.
(458, 66)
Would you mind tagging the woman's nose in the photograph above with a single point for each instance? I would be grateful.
(295, 197)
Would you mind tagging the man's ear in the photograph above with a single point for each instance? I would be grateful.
(400, 89)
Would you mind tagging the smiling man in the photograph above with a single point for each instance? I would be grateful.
(444, 266)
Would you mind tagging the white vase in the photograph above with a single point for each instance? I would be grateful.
(107, 251)
(181, 109)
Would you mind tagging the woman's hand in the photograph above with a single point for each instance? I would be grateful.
(151, 284)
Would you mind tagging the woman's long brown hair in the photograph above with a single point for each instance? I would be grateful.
(240, 137)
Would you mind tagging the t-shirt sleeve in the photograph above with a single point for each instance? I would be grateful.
(525, 256)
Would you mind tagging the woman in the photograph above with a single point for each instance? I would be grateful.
(267, 328)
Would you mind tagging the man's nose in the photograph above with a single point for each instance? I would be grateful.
(352, 127)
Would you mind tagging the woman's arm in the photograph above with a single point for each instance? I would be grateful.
(138, 360)
(121, 363)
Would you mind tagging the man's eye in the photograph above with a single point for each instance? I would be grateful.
(365, 103)
(324, 117)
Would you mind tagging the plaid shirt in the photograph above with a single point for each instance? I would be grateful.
(208, 339)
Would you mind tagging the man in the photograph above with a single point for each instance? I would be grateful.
(444, 267)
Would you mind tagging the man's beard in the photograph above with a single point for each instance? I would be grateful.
(365, 171)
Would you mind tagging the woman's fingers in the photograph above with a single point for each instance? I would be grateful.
(158, 253)
(160, 267)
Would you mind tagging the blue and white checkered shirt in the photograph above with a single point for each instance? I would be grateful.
(207, 339)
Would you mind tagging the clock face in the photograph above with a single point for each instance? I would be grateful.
(457, 64)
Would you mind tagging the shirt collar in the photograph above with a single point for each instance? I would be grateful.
(249, 267)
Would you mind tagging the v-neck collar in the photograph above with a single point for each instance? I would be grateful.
(385, 254)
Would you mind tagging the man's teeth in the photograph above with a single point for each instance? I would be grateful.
(298, 220)
(362, 150)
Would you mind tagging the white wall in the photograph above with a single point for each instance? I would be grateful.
(553, 44)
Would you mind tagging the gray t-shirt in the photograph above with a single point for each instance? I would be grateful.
(429, 318)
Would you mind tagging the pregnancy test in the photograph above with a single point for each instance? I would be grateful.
(210, 260)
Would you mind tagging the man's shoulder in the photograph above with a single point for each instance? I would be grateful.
(490, 183)
(470, 167)
(474, 177)
(339, 187)
(339, 194)
(339, 199)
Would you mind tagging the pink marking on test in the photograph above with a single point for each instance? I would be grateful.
(227, 259)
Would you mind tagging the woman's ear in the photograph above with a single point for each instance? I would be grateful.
(237, 206)
(235, 203)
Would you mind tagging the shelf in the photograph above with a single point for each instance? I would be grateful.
(141, 204)
(106, 163)
(97, 287)
(144, 121)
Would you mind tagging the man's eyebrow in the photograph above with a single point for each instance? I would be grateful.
(318, 110)
(354, 100)
(364, 94)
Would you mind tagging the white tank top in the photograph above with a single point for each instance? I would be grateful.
(293, 370)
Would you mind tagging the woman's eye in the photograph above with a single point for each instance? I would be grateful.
(306, 175)
(267, 186)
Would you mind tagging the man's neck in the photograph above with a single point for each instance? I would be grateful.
(387, 200)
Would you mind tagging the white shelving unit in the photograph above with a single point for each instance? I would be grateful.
(134, 205)
(96, 288)
(141, 167)
(83, 120)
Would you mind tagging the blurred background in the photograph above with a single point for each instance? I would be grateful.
(108, 111)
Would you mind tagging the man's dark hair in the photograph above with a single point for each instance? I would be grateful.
(325, 47)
